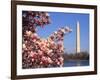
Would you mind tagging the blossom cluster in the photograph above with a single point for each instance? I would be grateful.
(38, 52)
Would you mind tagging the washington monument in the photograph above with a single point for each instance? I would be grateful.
(78, 37)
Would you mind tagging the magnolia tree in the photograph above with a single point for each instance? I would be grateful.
(38, 52)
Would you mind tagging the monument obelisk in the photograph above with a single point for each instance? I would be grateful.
(78, 37)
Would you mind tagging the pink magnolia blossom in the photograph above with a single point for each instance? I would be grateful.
(32, 54)
(39, 52)
(49, 60)
(28, 33)
(34, 36)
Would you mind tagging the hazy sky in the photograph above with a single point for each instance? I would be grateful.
(69, 19)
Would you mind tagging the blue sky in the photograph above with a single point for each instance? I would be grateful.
(59, 19)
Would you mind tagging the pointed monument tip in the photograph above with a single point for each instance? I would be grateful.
(78, 22)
